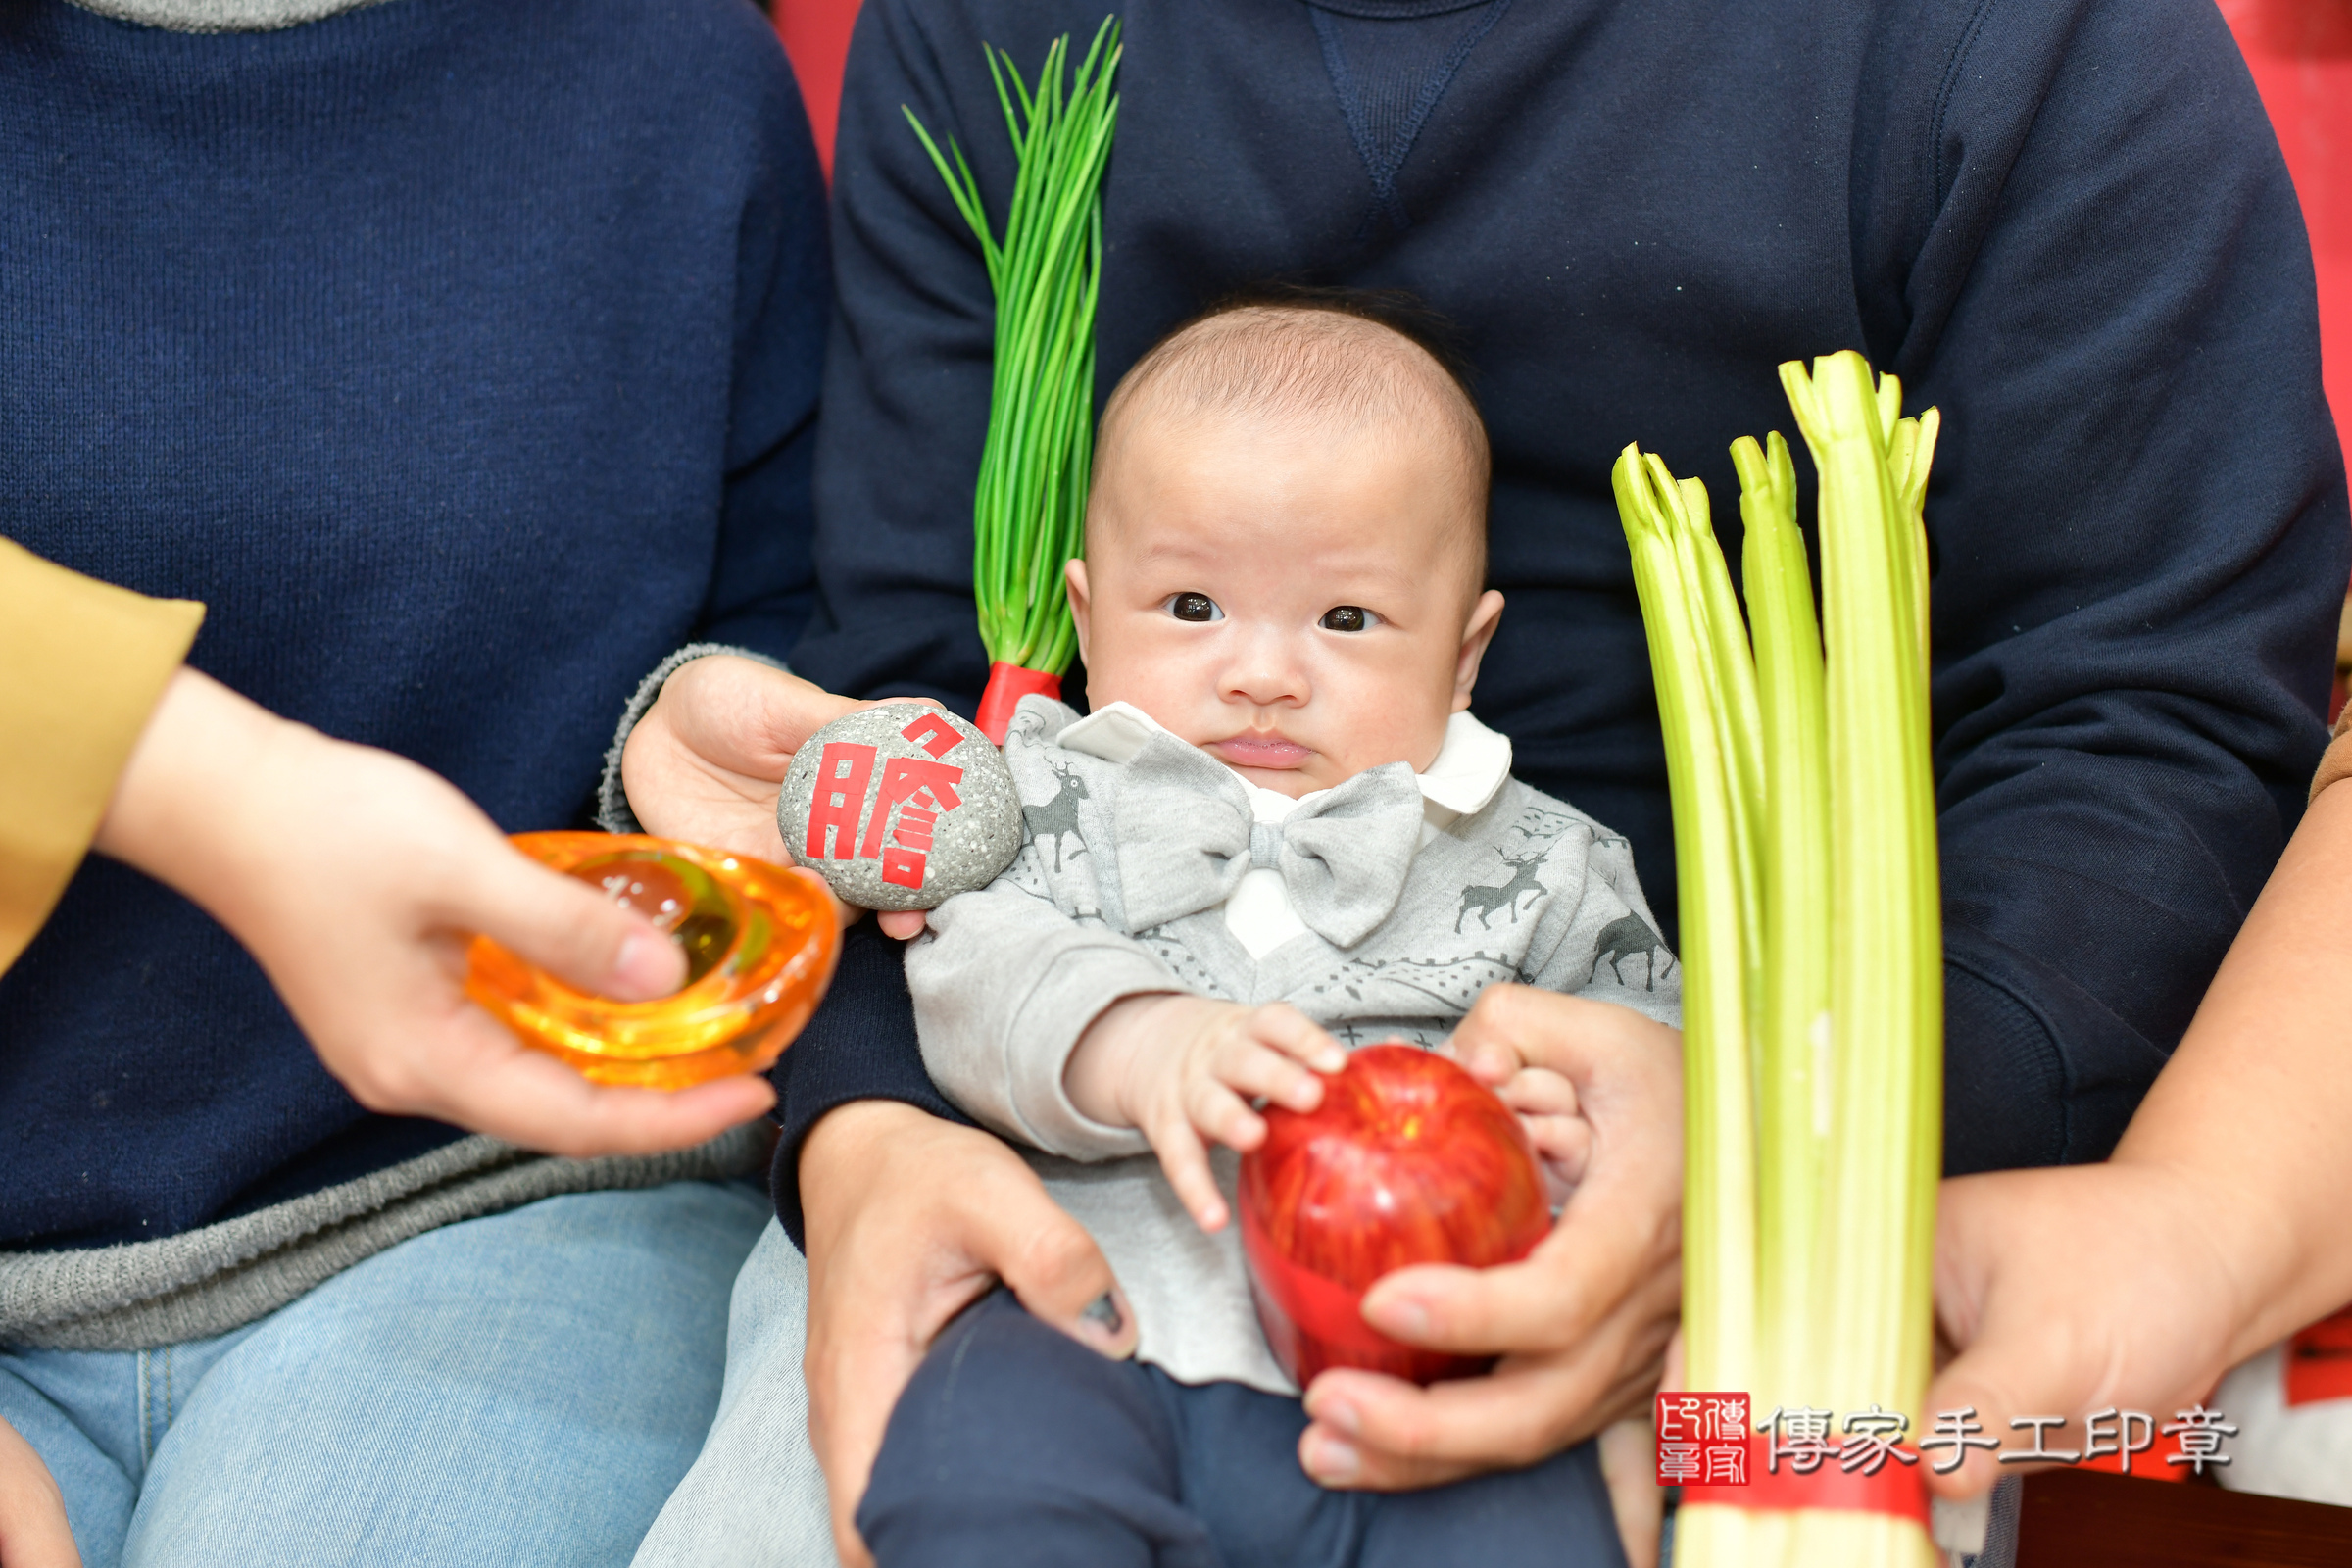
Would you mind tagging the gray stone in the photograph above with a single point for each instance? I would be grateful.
(951, 818)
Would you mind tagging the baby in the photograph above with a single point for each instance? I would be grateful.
(1279, 833)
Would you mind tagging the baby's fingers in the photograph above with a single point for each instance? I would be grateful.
(1218, 1113)
(1288, 1030)
(1539, 1092)
(1564, 1146)
(1248, 1067)
(1185, 1159)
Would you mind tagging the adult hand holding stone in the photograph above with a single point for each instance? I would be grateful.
(901, 807)
(708, 759)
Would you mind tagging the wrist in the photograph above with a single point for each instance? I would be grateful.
(852, 1143)
(1101, 1065)
(2235, 1236)
(187, 809)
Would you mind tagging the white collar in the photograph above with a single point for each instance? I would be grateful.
(1470, 767)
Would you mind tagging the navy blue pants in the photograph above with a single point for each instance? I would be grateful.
(1014, 1444)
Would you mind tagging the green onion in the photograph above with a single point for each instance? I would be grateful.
(1805, 828)
(1029, 505)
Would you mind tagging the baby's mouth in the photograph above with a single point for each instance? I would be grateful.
(1261, 750)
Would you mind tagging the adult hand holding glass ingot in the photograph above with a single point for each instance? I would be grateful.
(760, 944)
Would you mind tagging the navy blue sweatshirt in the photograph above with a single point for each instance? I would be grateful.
(2064, 221)
(462, 357)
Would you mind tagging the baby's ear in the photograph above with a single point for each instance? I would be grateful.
(1476, 632)
(1073, 584)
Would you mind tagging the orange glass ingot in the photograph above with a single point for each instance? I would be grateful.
(760, 942)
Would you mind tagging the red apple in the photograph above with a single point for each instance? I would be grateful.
(1408, 1159)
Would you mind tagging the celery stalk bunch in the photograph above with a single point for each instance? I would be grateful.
(1804, 814)
(1029, 505)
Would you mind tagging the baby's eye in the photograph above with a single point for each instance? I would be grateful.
(1194, 606)
(1349, 618)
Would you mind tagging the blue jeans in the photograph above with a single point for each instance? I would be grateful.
(516, 1390)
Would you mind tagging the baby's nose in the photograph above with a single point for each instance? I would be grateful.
(1266, 668)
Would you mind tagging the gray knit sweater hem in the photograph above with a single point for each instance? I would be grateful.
(143, 1295)
(221, 16)
(613, 812)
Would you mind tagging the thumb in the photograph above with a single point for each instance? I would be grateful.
(568, 928)
(1053, 1266)
(2005, 1373)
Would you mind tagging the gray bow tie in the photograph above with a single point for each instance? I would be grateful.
(1187, 839)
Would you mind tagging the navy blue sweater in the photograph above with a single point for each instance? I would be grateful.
(2064, 221)
(462, 357)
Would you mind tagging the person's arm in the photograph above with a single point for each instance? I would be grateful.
(33, 1531)
(2098, 269)
(1006, 986)
(1602, 941)
(2215, 1230)
(356, 878)
(82, 664)
(353, 876)
(912, 1219)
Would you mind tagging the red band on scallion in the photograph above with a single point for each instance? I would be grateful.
(1007, 684)
(1895, 1488)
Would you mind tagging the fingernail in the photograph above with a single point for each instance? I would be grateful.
(642, 964)
(1105, 1322)
(1341, 1416)
(1333, 1463)
(1104, 1313)
(1403, 1317)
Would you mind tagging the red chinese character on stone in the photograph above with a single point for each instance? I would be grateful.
(933, 734)
(843, 773)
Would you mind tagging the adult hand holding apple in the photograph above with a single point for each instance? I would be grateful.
(1583, 1323)
(1407, 1160)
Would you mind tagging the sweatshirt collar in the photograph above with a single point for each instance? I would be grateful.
(1470, 767)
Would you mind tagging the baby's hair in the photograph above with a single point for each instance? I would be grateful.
(1314, 359)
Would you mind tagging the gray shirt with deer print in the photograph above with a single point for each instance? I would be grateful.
(1380, 908)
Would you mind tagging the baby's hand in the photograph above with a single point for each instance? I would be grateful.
(1547, 1109)
(1180, 1069)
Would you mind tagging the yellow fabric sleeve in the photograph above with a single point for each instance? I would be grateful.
(81, 666)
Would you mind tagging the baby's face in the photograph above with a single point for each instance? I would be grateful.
(1300, 607)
